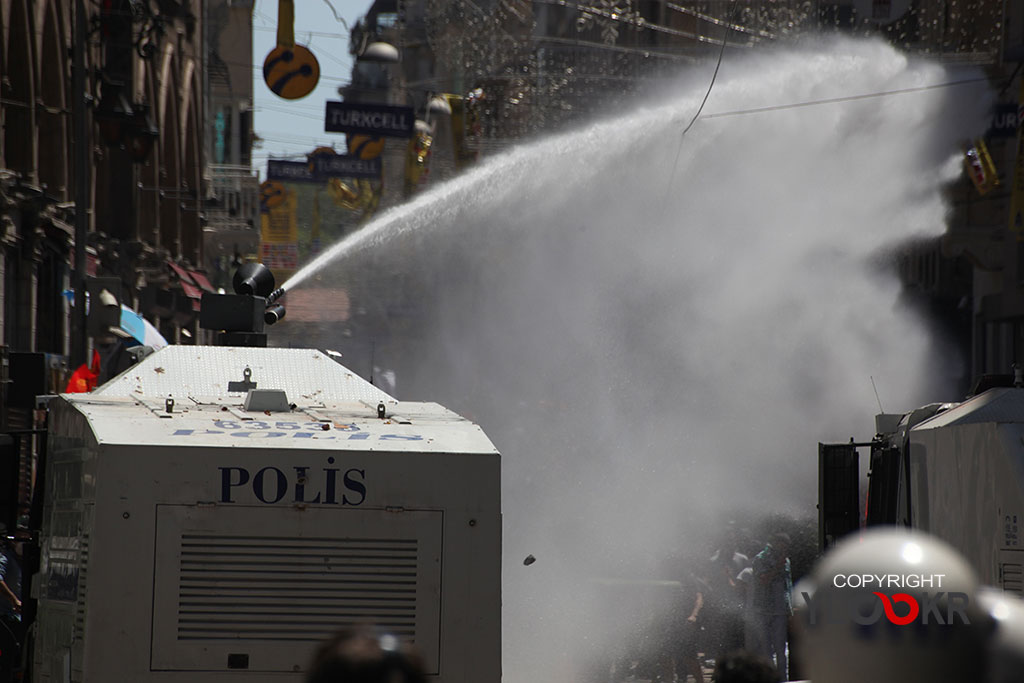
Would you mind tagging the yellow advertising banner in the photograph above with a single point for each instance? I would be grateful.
(1017, 189)
(279, 237)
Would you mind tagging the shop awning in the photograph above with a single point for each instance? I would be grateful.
(202, 281)
(193, 284)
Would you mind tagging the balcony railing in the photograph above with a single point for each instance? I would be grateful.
(234, 200)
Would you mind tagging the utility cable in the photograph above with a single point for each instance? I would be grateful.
(337, 16)
(711, 85)
(846, 98)
(1009, 81)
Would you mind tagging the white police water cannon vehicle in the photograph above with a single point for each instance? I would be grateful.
(955, 470)
(214, 512)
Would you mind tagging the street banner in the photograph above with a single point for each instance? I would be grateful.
(372, 119)
(322, 168)
(1017, 189)
(279, 237)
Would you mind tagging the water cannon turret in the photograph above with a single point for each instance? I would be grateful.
(239, 318)
(253, 279)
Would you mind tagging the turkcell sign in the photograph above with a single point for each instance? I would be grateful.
(323, 169)
(371, 119)
(345, 166)
(289, 171)
(1004, 121)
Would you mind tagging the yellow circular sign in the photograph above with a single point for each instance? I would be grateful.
(272, 193)
(322, 151)
(291, 72)
(365, 146)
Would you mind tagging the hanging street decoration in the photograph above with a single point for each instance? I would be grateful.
(290, 71)
(365, 146)
(981, 167)
(417, 160)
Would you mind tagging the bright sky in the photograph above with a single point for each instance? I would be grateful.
(292, 128)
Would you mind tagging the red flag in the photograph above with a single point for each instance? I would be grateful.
(84, 378)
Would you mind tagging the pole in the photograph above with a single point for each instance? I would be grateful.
(82, 183)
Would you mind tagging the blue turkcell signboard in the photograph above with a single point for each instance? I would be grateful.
(370, 119)
(1004, 121)
(322, 169)
(345, 166)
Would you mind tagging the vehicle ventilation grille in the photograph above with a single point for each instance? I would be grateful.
(1013, 578)
(294, 589)
(83, 572)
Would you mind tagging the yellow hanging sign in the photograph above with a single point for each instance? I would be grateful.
(272, 193)
(290, 71)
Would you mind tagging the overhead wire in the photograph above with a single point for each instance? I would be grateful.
(337, 16)
(318, 34)
(292, 112)
(845, 98)
(707, 94)
(1009, 81)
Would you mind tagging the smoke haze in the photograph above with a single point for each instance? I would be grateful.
(656, 331)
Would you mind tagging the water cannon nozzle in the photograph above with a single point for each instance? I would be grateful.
(273, 314)
(275, 295)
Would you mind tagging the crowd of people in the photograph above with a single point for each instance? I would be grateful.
(728, 607)
(748, 607)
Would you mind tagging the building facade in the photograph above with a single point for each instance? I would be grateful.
(231, 231)
(105, 177)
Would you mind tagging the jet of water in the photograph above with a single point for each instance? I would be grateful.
(654, 351)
